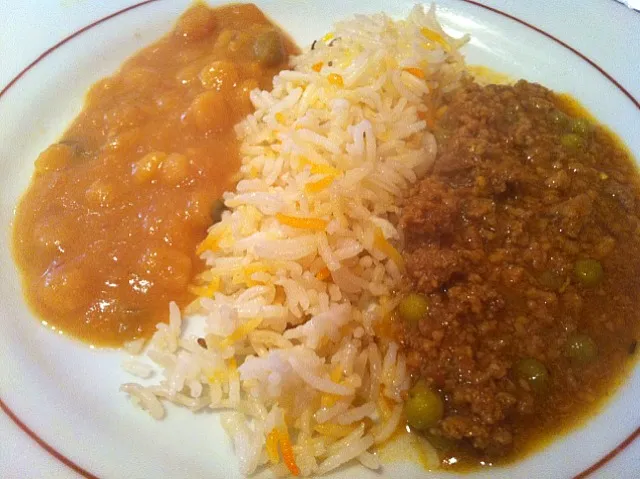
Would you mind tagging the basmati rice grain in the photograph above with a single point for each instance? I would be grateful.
(306, 257)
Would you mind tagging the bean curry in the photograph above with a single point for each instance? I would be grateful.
(106, 234)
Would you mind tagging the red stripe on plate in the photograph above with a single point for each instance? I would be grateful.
(66, 39)
(567, 46)
(44, 445)
(619, 448)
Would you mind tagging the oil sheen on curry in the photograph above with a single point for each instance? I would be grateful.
(523, 257)
(106, 234)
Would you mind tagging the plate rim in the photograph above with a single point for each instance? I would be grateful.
(66, 461)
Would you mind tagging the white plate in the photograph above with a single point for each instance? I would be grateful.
(67, 394)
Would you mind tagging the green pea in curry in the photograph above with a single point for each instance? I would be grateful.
(523, 257)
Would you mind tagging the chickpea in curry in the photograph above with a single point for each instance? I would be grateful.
(106, 234)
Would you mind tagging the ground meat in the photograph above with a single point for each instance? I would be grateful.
(520, 191)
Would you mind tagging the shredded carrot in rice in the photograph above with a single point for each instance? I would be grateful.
(272, 447)
(233, 365)
(435, 37)
(323, 274)
(336, 374)
(324, 170)
(335, 79)
(287, 452)
(416, 72)
(316, 224)
(328, 400)
(317, 67)
(206, 291)
(318, 186)
(217, 376)
(243, 275)
(318, 169)
(240, 332)
(385, 247)
(336, 431)
(210, 243)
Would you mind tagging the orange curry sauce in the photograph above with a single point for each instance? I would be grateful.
(106, 234)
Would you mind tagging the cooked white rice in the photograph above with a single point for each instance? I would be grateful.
(305, 261)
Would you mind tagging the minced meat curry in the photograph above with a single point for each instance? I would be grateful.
(523, 252)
